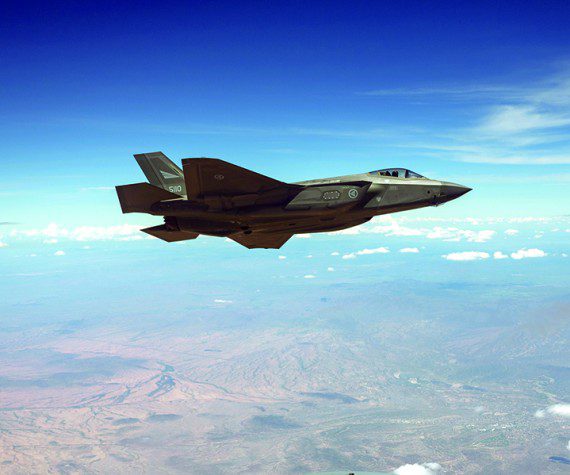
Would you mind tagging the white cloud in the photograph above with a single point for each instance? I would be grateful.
(310, 256)
(59, 253)
(429, 468)
(330, 269)
(388, 226)
(53, 232)
(302, 236)
(335, 253)
(499, 255)
(455, 234)
(466, 256)
(561, 410)
(393, 228)
(309, 276)
(556, 92)
(282, 257)
(526, 253)
(517, 120)
(124, 232)
(3, 244)
(511, 232)
(521, 118)
(223, 301)
(365, 252)
(568, 446)
(378, 250)
(414, 250)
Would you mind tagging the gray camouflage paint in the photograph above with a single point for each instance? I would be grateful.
(213, 197)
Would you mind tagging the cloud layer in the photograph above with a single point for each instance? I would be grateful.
(53, 232)
(389, 226)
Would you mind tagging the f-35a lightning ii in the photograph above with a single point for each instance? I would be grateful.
(214, 197)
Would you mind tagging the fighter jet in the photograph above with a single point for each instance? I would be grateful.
(213, 197)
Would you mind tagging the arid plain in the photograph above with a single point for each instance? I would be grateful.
(340, 377)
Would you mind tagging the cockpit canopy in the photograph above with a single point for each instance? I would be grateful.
(396, 172)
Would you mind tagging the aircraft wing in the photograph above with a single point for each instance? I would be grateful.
(261, 240)
(212, 176)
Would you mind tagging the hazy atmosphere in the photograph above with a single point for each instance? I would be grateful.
(425, 342)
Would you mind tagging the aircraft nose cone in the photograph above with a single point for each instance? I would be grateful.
(451, 191)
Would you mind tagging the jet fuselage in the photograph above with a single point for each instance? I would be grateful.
(220, 199)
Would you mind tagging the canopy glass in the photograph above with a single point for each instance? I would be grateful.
(396, 172)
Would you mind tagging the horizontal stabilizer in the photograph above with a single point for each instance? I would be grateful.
(261, 240)
(139, 197)
(212, 176)
(162, 232)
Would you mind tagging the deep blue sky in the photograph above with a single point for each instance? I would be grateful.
(462, 91)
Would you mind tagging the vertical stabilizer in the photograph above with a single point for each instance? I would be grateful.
(162, 172)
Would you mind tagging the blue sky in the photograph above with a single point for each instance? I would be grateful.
(477, 94)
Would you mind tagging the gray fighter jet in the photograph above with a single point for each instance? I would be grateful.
(214, 197)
